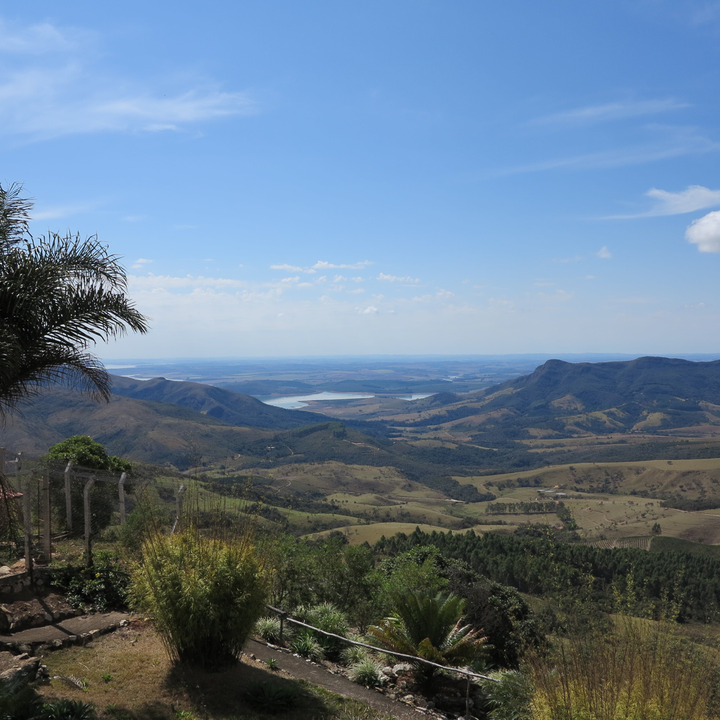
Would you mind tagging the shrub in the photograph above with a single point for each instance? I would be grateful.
(268, 628)
(366, 672)
(271, 698)
(352, 655)
(510, 697)
(68, 710)
(641, 670)
(102, 586)
(18, 701)
(430, 628)
(307, 646)
(205, 594)
(327, 617)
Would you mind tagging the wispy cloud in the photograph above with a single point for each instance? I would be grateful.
(696, 197)
(610, 111)
(56, 212)
(40, 39)
(285, 266)
(140, 263)
(53, 87)
(705, 232)
(394, 278)
(604, 253)
(322, 265)
(678, 142)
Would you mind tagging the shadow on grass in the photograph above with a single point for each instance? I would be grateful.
(225, 693)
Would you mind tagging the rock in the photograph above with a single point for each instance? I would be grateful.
(5, 570)
(402, 667)
(408, 698)
(24, 671)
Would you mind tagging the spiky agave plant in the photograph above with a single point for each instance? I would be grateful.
(429, 627)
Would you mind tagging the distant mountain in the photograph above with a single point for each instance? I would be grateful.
(226, 405)
(139, 430)
(649, 395)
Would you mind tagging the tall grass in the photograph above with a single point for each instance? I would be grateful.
(641, 670)
(204, 594)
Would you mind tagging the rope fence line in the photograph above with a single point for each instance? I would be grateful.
(284, 616)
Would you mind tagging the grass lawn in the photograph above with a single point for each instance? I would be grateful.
(127, 676)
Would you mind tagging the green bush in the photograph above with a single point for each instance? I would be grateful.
(205, 594)
(18, 701)
(366, 672)
(307, 646)
(352, 655)
(327, 617)
(271, 698)
(268, 628)
(102, 586)
(68, 710)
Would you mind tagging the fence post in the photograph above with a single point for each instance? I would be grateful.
(179, 501)
(88, 521)
(68, 498)
(121, 493)
(47, 529)
(27, 521)
(2, 460)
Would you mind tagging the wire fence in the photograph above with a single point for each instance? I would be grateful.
(44, 502)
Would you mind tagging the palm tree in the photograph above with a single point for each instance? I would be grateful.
(429, 627)
(58, 295)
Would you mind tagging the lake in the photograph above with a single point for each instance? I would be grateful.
(293, 402)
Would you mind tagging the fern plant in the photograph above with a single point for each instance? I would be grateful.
(429, 627)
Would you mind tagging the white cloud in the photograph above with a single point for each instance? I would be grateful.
(705, 232)
(285, 266)
(604, 253)
(339, 278)
(370, 310)
(140, 263)
(356, 291)
(610, 111)
(168, 282)
(55, 87)
(395, 278)
(444, 294)
(356, 279)
(322, 265)
(295, 279)
(696, 197)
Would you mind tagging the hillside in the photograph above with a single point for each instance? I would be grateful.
(230, 407)
(137, 429)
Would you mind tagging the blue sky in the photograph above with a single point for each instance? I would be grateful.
(393, 176)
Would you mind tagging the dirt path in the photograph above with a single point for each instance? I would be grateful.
(339, 684)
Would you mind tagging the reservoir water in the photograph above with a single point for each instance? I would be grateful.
(293, 402)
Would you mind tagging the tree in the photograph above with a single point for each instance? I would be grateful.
(429, 627)
(58, 295)
(87, 454)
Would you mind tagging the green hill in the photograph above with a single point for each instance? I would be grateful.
(226, 405)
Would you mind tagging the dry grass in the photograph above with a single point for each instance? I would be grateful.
(140, 683)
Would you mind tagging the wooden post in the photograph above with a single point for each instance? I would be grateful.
(88, 521)
(68, 498)
(121, 493)
(179, 509)
(47, 529)
(2, 460)
(27, 521)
